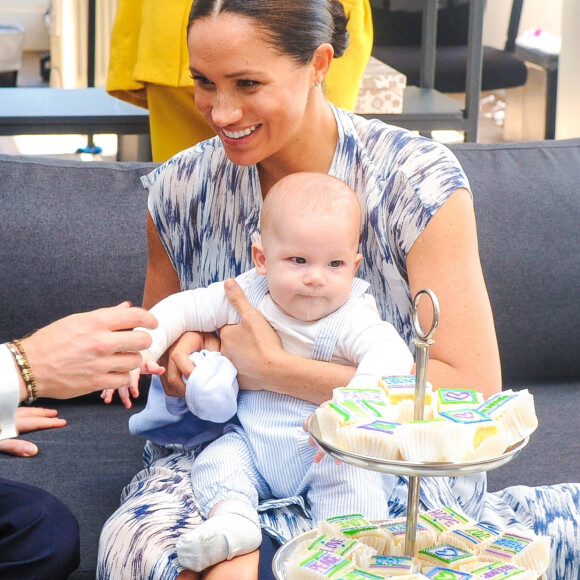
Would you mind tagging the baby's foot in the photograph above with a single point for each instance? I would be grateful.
(221, 537)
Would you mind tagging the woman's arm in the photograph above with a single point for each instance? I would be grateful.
(445, 258)
(161, 280)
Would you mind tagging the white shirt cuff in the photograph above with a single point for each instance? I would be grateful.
(9, 394)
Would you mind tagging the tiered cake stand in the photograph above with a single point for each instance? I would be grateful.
(414, 471)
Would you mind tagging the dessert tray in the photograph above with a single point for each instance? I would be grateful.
(286, 550)
(414, 469)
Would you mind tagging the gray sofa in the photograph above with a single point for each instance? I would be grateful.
(72, 238)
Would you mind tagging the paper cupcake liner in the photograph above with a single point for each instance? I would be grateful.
(372, 443)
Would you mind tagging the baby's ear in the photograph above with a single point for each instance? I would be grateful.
(259, 258)
(357, 261)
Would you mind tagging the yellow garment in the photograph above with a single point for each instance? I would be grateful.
(149, 62)
(174, 121)
(343, 80)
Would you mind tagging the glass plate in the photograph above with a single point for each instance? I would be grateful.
(415, 469)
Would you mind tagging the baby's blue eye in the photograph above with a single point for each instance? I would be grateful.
(336, 263)
(299, 260)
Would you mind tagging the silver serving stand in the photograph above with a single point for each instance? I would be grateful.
(414, 471)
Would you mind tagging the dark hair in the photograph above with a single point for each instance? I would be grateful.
(293, 27)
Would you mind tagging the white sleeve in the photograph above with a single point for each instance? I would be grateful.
(201, 310)
(374, 346)
(9, 393)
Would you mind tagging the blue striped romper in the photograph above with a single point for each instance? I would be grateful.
(204, 208)
(267, 456)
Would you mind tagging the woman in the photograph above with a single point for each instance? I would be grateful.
(149, 68)
(258, 67)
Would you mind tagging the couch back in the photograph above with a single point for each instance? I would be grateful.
(527, 203)
(72, 238)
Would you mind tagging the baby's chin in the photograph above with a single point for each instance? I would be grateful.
(309, 310)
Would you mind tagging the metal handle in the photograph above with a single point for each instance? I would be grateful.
(421, 335)
(422, 344)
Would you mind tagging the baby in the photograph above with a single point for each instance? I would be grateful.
(304, 285)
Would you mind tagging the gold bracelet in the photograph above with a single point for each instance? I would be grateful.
(21, 359)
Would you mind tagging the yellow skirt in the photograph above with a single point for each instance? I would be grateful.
(149, 62)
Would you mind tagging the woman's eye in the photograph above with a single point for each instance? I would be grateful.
(201, 81)
(247, 84)
(336, 263)
(299, 260)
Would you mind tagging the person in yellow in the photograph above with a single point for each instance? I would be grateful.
(149, 62)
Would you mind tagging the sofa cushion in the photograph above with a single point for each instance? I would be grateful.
(527, 204)
(72, 238)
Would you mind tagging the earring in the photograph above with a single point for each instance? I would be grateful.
(317, 83)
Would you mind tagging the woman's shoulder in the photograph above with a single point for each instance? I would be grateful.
(388, 155)
(386, 143)
(188, 164)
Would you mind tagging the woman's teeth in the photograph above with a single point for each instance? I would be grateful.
(239, 134)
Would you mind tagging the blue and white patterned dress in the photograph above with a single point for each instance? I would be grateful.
(205, 209)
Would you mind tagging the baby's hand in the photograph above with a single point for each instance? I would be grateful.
(320, 453)
(125, 393)
(150, 367)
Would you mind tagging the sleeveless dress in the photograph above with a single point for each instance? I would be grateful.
(205, 208)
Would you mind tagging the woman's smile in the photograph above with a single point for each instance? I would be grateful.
(240, 133)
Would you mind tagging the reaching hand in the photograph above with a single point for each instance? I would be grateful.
(88, 352)
(30, 419)
(148, 367)
(125, 393)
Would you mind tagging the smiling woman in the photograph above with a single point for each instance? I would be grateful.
(264, 99)
(148, 67)
(250, 106)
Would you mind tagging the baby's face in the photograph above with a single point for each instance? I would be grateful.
(310, 265)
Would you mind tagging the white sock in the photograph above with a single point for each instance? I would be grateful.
(232, 530)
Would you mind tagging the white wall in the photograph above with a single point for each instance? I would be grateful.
(559, 17)
(544, 14)
(568, 111)
(69, 39)
(30, 14)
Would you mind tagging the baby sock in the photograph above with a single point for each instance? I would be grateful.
(232, 530)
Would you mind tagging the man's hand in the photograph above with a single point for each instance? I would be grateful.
(30, 419)
(88, 352)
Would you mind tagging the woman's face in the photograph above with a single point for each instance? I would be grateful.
(253, 97)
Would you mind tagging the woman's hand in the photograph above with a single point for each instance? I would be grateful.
(320, 453)
(255, 350)
(252, 345)
(178, 363)
(30, 419)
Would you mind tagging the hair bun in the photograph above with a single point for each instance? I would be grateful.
(340, 35)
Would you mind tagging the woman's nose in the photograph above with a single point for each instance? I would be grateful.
(225, 110)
